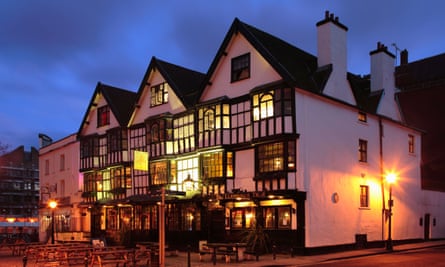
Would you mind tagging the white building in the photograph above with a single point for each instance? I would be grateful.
(270, 133)
(61, 181)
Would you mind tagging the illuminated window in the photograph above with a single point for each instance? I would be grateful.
(242, 217)
(240, 68)
(364, 196)
(362, 116)
(187, 169)
(212, 165)
(103, 116)
(263, 106)
(159, 172)
(278, 156)
(411, 143)
(159, 94)
(277, 217)
(362, 150)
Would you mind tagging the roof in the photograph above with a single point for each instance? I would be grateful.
(120, 101)
(421, 74)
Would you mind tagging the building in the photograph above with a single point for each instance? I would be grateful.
(271, 136)
(60, 181)
(19, 196)
(422, 85)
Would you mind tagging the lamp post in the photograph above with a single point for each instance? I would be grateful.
(52, 204)
(390, 178)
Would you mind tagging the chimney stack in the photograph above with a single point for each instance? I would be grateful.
(331, 38)
(404, 57)
(332, 50)
(382, 78)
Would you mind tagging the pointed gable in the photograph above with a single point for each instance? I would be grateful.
(289, 63)
(182, 89)
(120, 103)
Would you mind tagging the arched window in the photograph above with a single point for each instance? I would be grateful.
(263, 106)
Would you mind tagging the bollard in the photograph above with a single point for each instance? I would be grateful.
(25, 261)
(188, 255)
(86, 259)
(274, 252)
(291, 252)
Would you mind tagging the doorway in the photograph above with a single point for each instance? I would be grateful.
(426, 233)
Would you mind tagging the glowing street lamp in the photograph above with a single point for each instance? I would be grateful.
(390, 179)
(52, 205)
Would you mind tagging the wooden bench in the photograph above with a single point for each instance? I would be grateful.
(77, 255)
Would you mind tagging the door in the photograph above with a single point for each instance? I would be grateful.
(427, 227)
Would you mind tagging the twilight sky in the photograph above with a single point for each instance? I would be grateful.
(53, 53)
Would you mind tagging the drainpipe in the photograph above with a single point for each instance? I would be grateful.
(382, 180)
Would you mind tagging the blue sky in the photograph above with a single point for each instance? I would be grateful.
(53, 52)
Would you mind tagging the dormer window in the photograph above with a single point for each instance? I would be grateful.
(159, 94)
(103, 116)
(240, 67)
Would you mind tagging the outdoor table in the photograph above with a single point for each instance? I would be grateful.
(227, 250)
(116, 257)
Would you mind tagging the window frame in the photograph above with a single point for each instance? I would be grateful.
(362, 150)
(159, 94)
(103, 116)
(411, 144)
(364, 196)
(240, 68)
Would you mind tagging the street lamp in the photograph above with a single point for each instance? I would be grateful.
(390, 179)
(53, 205)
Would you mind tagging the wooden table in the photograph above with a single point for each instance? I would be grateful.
(226, 249)
(115, 257)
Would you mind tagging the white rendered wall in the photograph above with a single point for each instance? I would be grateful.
(328, 163)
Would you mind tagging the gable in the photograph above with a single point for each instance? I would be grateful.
(90, 125)
(261, 72)
(143, 106)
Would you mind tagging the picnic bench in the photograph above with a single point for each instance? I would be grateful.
(227, 250)
(114, 257)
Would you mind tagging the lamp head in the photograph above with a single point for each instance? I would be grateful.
(391, 177)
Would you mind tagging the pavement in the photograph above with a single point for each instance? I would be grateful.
(281, 260)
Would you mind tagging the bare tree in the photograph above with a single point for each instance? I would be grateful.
(3, 148)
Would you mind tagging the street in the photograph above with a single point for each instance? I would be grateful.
(430, 257)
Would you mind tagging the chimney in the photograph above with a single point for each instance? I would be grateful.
(404, 57)
(382, 68)
(332, 50)
(331, 41)
(382, 78)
